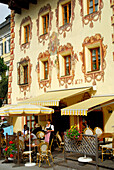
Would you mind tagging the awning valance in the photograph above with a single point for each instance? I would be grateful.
(81, 109)
(53, 98)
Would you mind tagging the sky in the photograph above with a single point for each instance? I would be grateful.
(4, 12)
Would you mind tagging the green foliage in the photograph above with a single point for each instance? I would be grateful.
(73, 132)
(3, 67)
(3, 81)
(10, 150)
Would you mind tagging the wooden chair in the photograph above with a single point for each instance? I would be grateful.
(60, 143)
(107, 149)
(49, 150)
(88, 131)
(98, 131)
(43, 153)
(40, 135)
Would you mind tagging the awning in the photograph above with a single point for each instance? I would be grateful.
(53, 98)
(81, 109)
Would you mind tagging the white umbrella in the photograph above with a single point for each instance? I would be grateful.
(27, 110)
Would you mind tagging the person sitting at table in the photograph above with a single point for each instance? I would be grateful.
(37, 128)
(24, 131)
(48, 131)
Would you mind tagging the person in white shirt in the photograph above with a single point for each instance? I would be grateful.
(48, 129)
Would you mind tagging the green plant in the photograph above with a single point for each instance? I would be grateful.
(10, 150)
(73, 132)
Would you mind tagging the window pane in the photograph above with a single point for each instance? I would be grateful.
(96, 7)
(91, 3)
(96, 1)
(90, 10)
(28, 117)
(69, 12)
(93, 52)
(32, 118)
(65, 15)
(32, 124)
(28, 124)
(26, 74)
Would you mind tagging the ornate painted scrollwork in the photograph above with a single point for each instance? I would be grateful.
(94, 75)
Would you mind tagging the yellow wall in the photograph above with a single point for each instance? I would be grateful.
(76, 37)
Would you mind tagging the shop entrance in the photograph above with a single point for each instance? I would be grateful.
(95, 119)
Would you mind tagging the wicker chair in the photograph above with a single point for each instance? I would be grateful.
(60, 143)
(40, 135)
(88, 131)
(98, 131)
(43, 153)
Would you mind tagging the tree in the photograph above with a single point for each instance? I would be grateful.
(3, 81)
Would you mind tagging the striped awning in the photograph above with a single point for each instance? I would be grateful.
(81, 109)
(53, 98)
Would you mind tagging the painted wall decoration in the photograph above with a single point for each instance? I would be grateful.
(24, 87)
(94, 75)
(93, 17)
(44, 83)
(66, 80)
(67, 27)
(25, 21)
(12, 44)
(44, 37)
(112, 21)
(53, 44)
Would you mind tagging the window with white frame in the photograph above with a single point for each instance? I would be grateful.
(1, 49)
(7, 46)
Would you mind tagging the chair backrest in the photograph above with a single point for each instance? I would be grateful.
(40, 135)
(98, 131)
(21, 145)
(43, 148)
(88, 131)
(58, 136)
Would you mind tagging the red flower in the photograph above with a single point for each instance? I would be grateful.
(6, 149)
(11, 155)
(10, 142)
(74, 136)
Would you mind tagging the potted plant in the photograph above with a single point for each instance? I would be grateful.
(10, 150)
(73, 133)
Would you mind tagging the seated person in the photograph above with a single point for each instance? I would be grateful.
(37, 128)
(24, 131)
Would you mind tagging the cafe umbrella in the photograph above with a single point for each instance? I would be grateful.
(25, 110)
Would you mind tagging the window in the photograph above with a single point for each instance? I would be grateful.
(5, 46)
(30, 121)
(23, 73)
(1, 49)
(8, 45)
(95, 59)
(45, 22)
(26, 33)
(67, 65)
(92, 6)
(66, 12)
(46, 70)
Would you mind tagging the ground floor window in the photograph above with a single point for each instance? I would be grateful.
(31, 121)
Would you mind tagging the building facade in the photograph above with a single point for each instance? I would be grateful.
(5, 41)
(63, 51)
